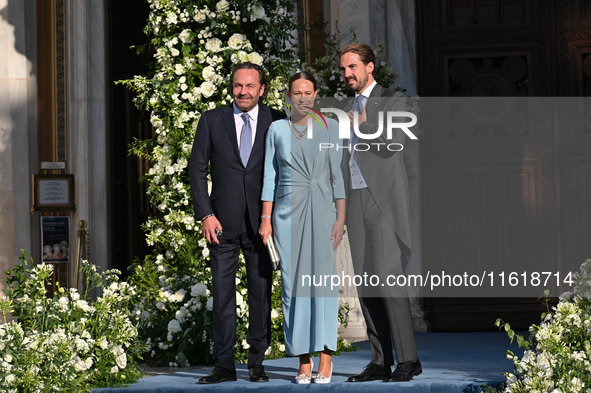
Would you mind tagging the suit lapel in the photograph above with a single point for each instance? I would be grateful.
(373, 100)
(263, 122)
(231, 129)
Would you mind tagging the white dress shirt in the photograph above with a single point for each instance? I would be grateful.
(253, 115)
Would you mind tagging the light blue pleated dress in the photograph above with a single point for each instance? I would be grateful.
(304, 178)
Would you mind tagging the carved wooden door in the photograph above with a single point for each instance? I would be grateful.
(513, 195)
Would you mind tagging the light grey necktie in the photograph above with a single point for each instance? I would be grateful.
(357, 107)
(245, 139)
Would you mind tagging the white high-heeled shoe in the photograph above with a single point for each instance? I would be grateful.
(303, 379)
(320, 378)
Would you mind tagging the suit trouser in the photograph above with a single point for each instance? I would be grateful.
(375, 250)
(224, 262)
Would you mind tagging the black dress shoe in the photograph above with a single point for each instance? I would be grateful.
(258, 374)
(405, 371)
(371, 372)
(219, 374)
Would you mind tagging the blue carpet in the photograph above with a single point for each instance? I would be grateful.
(452, 362)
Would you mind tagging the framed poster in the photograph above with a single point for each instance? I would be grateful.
(55, 239)
(53, 192)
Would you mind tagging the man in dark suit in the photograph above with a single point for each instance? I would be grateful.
(231, 140)
(377, 220)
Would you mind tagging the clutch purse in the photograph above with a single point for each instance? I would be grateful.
(273, 254)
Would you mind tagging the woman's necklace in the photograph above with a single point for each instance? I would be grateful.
(298, 134)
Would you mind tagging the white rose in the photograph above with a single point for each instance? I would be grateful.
(10, 378)
(274, 314)
(198, 290)
(185, 36)
(160, 306)
(209, 304)
(104, 344)
(121, 360)
(179, 296)
(8, 357)
(258, 12)
(209, 73)
(205, 251)
(199, 17)
(222, 5)
(179, 69)
(236, 41)
(255, 58)
(181, 316)
(207, 89)
(114, 369)
(243, 56)
(282, 347)
(213, 45)
(239, 299)
(174, 52)
(174, 327)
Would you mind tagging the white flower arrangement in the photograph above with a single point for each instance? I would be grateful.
(194, 55)
(66, 343)
(557, 353)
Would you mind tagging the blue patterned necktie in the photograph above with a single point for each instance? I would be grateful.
(245, 139)
(358, 104)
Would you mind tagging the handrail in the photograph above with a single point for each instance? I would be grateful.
(80, 249)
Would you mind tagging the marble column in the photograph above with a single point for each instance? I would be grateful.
(18, 127)
(391, 23)
(87, 122)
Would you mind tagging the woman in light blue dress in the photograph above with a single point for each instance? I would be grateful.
(304, 209)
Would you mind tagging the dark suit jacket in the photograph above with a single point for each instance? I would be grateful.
(234, 187)
(383, 170)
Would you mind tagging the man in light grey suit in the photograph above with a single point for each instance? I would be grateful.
(377, 221)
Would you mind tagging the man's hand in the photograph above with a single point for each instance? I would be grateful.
(209, 226)
(360, 119)
(266, 229)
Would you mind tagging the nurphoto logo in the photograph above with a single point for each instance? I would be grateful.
(393, 120)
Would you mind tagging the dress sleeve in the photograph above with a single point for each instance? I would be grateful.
(335, 156)
(270, 174)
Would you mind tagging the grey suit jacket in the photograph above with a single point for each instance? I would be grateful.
(383, 170)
